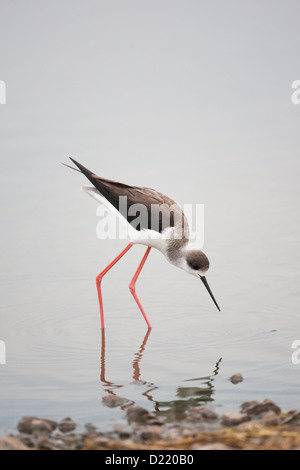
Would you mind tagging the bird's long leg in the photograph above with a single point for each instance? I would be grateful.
(100, 276)
(132, 285)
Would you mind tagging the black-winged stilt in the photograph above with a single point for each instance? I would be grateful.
(165, 229)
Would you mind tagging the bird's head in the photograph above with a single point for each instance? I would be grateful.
(197, 264)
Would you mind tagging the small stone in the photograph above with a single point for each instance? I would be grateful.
(249, 426)
(27, 439)
(12, 443)
(43, 443)
(67, 425)
(257, 408)
(172, 435)
(203, 412)
(270, 418)
(248, 403)
(123, 431)
(186, 433)
(113, 401)
(236, 378)
(150, 433)
(56, 443)
(31, 424)
(97, 442)
(233, 418)
(292, 417)
(138, 414)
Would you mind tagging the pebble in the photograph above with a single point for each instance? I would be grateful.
(32, 424)
(270, 418)
(293, 417)
(150, 433)
(113, 401)
(233, 418)
(202, 429)
(67, 425)
(203, 412)
(236, 378)
(138, 414)
(97, 442)
(12, 443)
(257, 408)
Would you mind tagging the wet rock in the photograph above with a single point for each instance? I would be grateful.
(150, 433)
(236, 378)
(34, 425)
(97, 442)
(56, 443)
(67, 425)
(247, 404)
(259, 425)
(256, 408)
(123, 431)
(138, 414)
(155, 420)
(172, 434)
(27, 439)
(12, 443)
(203, 412)
(47, 443)
(187, 432)
(233, 418)
(270, 418)
(292, 417)
(113, 401)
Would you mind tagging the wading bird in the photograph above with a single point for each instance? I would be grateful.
(165, 229)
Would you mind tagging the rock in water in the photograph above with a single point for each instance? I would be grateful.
(236, 378)
(67, 425)
(34, 425)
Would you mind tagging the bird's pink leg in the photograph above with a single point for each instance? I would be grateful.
(100, 276)
(133, 281)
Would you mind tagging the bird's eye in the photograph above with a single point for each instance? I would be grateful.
(195, 267)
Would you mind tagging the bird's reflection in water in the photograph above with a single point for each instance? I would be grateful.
(199, 391)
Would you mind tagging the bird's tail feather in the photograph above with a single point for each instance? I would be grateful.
(72, 168)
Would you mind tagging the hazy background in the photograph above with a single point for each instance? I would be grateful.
(192, 98)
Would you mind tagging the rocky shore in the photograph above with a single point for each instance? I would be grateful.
(258, 425)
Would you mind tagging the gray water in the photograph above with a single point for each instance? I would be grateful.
(185, 99)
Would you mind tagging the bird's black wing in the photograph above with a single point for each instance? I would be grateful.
(142, 207)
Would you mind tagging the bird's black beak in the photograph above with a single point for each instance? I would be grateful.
(203, 279)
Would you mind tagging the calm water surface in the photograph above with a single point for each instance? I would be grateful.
(58, 361)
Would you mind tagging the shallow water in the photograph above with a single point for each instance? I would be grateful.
(60, 363)
(238, 155)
